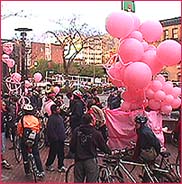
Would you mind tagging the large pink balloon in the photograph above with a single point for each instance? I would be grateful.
(131, 50)
(137, 75)
(150, 58)
(169, 52)
(151, 30)
(168, 99)
(37, 77)
(119, 24)
(137, 35)
(136, 21)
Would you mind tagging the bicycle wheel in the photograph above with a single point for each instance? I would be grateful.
(41, 142)
(69, 176)
(17, 149)
(33, 168)
(164, 178)
(178, 168)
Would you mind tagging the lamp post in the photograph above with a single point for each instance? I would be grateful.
(23, 58)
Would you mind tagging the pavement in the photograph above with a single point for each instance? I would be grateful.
(16, 174)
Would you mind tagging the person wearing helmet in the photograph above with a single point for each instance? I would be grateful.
(147, 145)
(77, 109)
(29, 122)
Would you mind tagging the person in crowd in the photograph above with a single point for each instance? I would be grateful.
(77, 109)
(29, 121)
(56, 137)
(70, 97)
(35, 99)
(98, 116)
(114, 99)
(147, 146)
(84, 144)
(5, 118)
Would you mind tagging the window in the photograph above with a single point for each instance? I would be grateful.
(175, 33)
(166, 34)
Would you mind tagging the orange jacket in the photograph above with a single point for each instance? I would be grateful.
(29, 121)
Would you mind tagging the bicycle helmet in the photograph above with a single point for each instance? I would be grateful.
(77, 93)
(28, 107)
(141, 119)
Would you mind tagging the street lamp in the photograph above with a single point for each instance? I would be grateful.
(23, 58)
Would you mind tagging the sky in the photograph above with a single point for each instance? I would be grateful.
(41, 15)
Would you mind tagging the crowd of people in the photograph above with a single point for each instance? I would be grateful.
(88, 128)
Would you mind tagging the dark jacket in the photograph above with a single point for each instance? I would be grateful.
(77, 112)
(85, 141)
(146, 140)
(5, 119)
(55, 128)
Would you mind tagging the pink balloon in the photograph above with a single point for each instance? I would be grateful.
(176, 103)
(159, 95)
(137, 35)
(145, 45)
(10, 63)
(166, 109)
(168, 99)
(149, 93)
(137, 75)
(151, 47)
(167, 88)
(119, 24)
(166, 54)
(156, 85)
(151, 30)
(28, 84)
(161, 78)
(150, 58)
(48, 107)
(37, 77)
(131, 50)
(56, 89)
(16, 77)
(8, 47)
(176, 92)
(153, 104)
(5, 58)
(136, 20)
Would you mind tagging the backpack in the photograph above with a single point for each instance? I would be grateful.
(29, 135)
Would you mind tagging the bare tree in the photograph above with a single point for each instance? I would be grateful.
(70, 37)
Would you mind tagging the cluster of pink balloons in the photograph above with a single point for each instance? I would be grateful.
(139, 60)
(162, 95)
(8, 49)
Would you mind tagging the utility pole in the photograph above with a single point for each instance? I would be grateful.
(23, 58)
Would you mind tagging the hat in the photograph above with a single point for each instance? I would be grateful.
(141, 119)
(77, 93)
(28, 107)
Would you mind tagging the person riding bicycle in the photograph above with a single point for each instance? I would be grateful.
(31, 123)
(147, 145)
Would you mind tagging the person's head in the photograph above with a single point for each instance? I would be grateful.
(28, 109)
(140, 121)
(3, 106)
(87, 119)
(90, 102)
(55, 109)
(77, 94)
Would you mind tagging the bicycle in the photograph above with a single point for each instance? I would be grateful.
(153, 173)
(17, 149)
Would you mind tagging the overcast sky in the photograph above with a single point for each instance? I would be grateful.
(42, 13)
